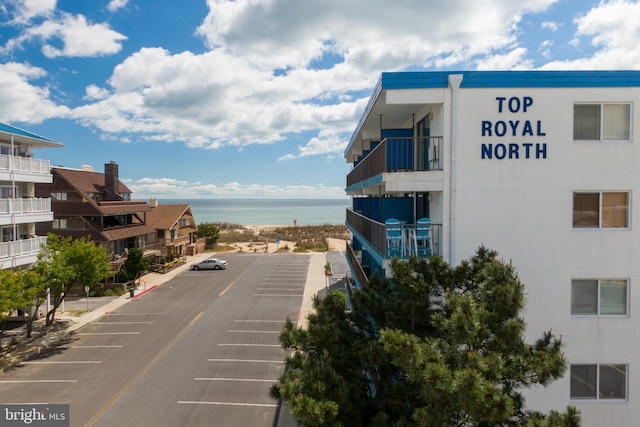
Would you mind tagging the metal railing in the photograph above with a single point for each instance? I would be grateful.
(22, 247)
(357, 270)
(24, 164)
(399, 155)
(25, 205)
(376, 233)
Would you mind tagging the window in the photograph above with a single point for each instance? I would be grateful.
(59, 196)
(604, 297)
(59, 224)
(601, 122)
(601, 210)
(598, 382)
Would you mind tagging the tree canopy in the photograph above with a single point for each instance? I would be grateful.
(209, 231)
(432, 346)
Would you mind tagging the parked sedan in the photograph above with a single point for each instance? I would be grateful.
(210, 264)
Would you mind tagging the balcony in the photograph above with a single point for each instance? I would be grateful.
(375, 233)
(20, 211)
(25, 166)
(20, 252)
(398, 155)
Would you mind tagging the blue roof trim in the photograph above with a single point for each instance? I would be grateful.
(377, 179)
(21, 132)
(496, 79)
(505, 79)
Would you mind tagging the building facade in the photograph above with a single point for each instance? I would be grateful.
(99, 206)
(175, 228)
(541, 166)
(20, 209)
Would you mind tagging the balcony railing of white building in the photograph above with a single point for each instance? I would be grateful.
(398, 155)
(27, 205)
(16, 248)
(24, 164)
(376, 234)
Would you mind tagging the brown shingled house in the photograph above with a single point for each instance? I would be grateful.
(98, 205)
(175, 227)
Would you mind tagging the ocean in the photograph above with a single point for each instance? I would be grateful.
(266, 211)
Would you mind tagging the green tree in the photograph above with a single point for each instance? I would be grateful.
(65, 263)
(134, 265)
(439, 347)
(209, 231)
(34, 294)
(9, 297)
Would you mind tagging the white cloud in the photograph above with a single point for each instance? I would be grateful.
(115, 5)
(25, 102)
(169, 188)
(79, 38)
(608, 28)
(25, 10)
(93, 92)
(550, 25)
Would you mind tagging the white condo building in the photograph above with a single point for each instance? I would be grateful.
(20, 210)
(543, 167)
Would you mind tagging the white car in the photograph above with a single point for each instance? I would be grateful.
(210, 264)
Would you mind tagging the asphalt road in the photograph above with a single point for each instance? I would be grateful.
(200, 350)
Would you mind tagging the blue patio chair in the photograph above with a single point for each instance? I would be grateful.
(423, 237)
(394, 237)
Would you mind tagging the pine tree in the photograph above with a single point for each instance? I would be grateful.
(433, 346)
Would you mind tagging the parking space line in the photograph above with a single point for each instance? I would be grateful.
(259, 321)
(109, 333)
(95, 346)
(63, 362)
(249, 345)
(277, 295)
(120, 323)
(246, 360)
(37, 381)
(249, 380)
(143, 371)
(261, 405)
(136, 314)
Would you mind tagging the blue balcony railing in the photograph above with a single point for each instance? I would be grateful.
(398, 155)
(375, 233)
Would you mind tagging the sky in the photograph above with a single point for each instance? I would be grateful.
(259, 98)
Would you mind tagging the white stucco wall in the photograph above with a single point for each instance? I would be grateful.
(523, 209)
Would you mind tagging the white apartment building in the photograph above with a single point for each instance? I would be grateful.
(541, 166)
(20, 210)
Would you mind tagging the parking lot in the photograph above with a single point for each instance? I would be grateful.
(201, 347)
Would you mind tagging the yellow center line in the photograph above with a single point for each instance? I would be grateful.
(143, 371)
(224, 291)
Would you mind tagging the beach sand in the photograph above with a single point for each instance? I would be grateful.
(272, 247)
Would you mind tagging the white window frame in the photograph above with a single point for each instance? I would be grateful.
(598, 302)
(600, 215)
(598, 383)
(603, 123)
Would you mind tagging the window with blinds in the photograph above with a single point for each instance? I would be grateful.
(601, 210)
(602, 122)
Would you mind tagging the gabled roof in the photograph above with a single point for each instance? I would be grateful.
(86, 181)
(165, 217)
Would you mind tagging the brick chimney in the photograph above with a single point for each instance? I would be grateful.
(111, 181)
